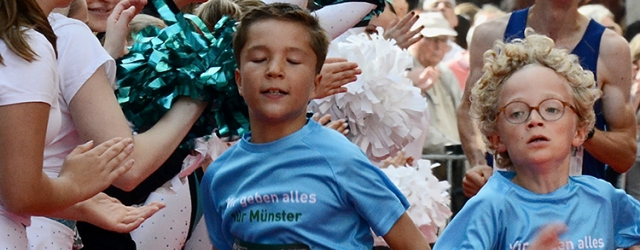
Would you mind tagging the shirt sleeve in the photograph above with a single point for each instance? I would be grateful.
(23, 81)
(474, 227)
(626, 211)
(80, 56)
(371, 192)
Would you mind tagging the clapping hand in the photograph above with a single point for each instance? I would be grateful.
(336, 72)
(110, 214)
(400, 31)
(118, 26)
(88, 170)
(339, 125)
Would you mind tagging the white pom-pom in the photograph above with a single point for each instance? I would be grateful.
(383, 108)
(427, 195)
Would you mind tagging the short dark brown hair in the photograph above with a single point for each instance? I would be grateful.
(318, 38)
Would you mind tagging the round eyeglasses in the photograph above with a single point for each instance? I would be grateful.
(550, 110)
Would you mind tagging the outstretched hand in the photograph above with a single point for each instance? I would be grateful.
(115, 39)
(400, 31)
(89, 170)
(336, 72)
(110, 214)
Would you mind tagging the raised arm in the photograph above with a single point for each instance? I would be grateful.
(98, 116)
(474, 148)
(616, 147)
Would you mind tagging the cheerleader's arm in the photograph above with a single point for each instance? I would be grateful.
(98, 117)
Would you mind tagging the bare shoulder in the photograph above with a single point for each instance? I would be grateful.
(613, 45)
(614, 60)
(484, 37)
(486, 34)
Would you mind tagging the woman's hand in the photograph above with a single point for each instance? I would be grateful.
(336, 72)
(115, 39)
(110, 214)
(400, 31)
(339, 125)
(88, 170)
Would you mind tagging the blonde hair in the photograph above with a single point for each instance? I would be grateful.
(505, 59)
(468, 10)
(212, 11)
(141, 21)
(596, 11)
(248, 5)
(634, 46)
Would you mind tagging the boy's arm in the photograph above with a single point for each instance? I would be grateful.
(617, 146)
(405, 235)
(483, 38)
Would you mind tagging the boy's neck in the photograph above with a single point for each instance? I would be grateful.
(268, 131)
(543, 179)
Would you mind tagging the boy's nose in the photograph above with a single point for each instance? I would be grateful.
(274, 70)
(535, 119)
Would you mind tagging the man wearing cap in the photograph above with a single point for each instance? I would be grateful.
(446, 7)
(437, 82)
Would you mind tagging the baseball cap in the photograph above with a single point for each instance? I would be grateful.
(428, 3)
(434, 25)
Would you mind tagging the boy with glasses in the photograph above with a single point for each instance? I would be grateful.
(534, 105)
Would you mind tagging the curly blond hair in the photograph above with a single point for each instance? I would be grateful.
(505, 59)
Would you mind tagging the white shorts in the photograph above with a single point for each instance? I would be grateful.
(45, 232)
(12, 234)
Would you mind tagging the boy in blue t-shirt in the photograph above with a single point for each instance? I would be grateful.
(291, 183)
(534, 106)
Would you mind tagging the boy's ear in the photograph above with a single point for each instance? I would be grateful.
(239, 81)
(316, 84)
(497, 144)
(580, 136)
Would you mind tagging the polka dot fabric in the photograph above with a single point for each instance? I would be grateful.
(45, 233)
(13, 236)
(168, 228)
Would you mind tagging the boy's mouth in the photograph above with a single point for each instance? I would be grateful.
(537, 138)
(274, 91)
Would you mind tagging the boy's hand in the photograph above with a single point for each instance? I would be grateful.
(115, 40)
(336, 72)
(548, 237)
(90, 170)
(475, 178)
(400, 31)
(110, 214)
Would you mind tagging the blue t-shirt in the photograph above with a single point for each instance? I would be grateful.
(313, 188)
(504, 215)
